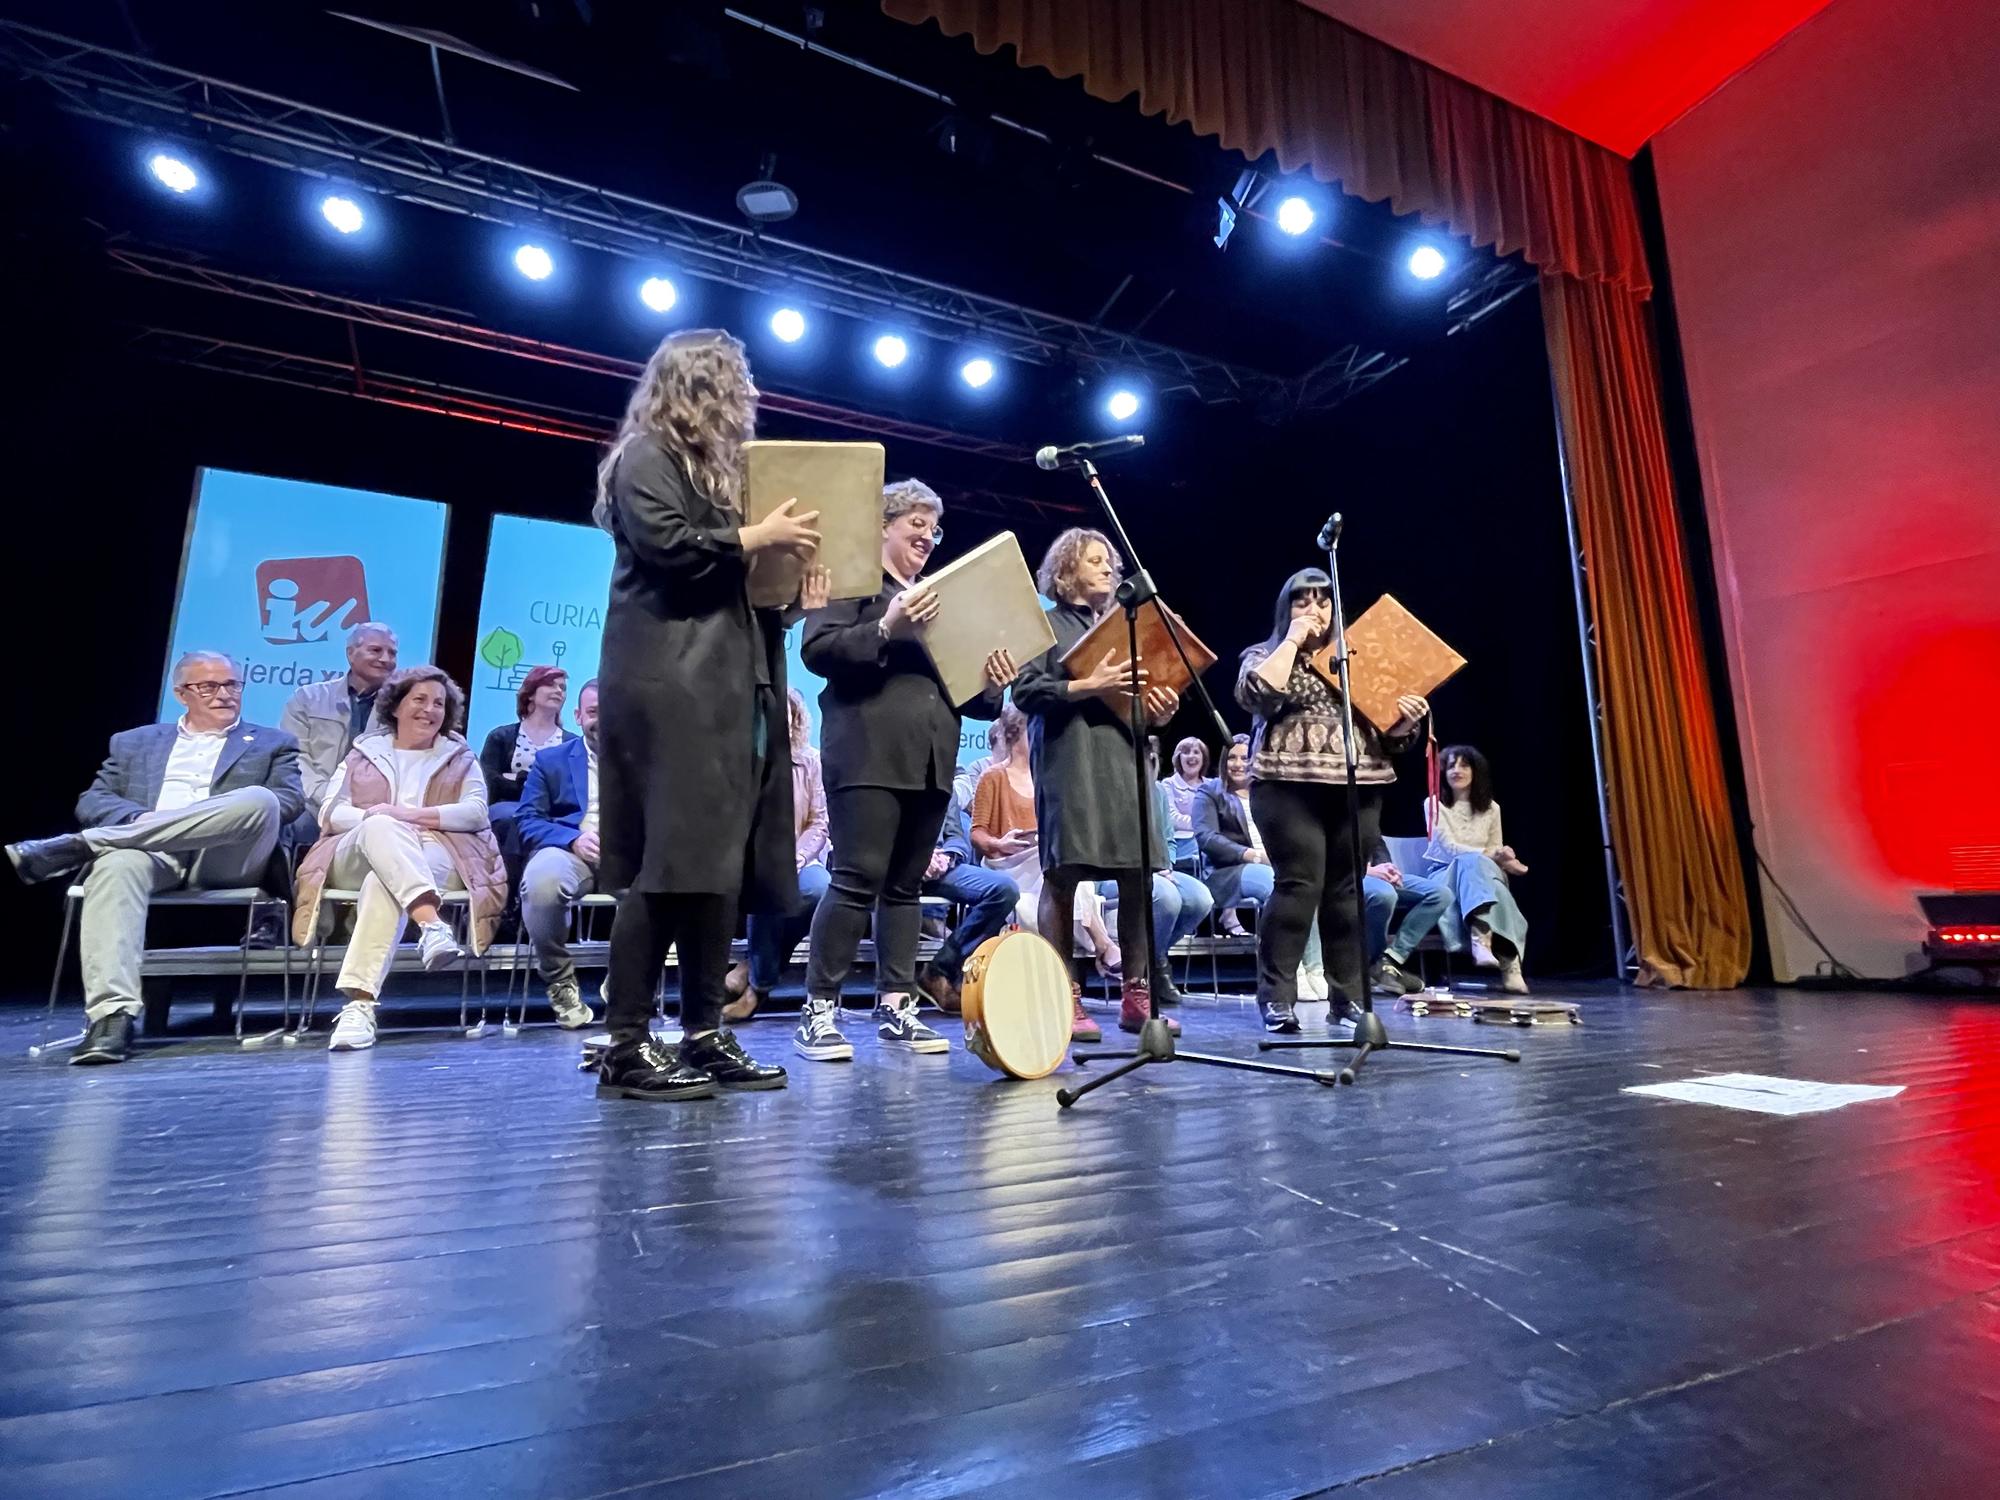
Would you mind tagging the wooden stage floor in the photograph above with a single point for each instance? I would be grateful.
(443, 1268)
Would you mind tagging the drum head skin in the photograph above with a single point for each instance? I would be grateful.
(1016, 1000)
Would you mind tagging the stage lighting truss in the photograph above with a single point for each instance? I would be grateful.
(102, 83)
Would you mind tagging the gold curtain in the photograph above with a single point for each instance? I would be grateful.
(1273, 75)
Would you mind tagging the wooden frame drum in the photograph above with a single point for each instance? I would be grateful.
(1016, 1004)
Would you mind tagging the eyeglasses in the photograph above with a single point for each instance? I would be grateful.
(919, 526)
(233, 687)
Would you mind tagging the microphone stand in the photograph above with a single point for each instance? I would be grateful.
(1369, 1033)
(1156, 1041)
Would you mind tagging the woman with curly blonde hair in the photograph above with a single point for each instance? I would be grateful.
(1080, 747)
(694, 761)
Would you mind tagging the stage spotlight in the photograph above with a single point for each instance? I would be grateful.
(1295, 216)
(1427, 263)
(891, 350)
(976, 372)
(658, 293)
(789, 324)
(172, 173)
(1123, 405)
(343, 214)
(535, 263)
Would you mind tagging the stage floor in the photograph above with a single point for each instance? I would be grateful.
(444, 1268)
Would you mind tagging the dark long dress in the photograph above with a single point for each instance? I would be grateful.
(694, 764)
(1086, 804)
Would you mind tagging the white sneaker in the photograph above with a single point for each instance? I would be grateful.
(437, 948)
(1312, 984)
(353, 1028)
(571, 1013)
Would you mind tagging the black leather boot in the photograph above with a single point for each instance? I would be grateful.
(643, 1069)
(721, 1057)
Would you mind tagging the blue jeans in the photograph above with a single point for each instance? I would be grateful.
(988, 898)
(1240, 885)
(1179, 903)
(772, 939)
(1422, 901)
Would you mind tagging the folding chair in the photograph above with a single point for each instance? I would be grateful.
(458, 903)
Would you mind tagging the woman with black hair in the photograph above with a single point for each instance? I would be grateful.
(1298, 796)
(1471, 853)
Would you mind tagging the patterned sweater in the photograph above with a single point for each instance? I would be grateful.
(1297, 733)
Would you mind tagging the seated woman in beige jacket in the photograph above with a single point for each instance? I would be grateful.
(404, 821)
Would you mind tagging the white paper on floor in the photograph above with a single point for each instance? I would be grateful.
(1768, 1096)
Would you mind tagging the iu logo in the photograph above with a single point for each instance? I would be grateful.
(303, 600)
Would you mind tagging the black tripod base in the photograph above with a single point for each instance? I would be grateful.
(1156, 1045)
(1371, 1036)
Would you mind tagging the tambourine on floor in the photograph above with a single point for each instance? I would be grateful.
(1016, 1005)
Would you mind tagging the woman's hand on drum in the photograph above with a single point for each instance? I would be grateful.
(1413, 709)
(915, 606)
(816, 587)
(1160, 705)
(1112, 680)
(1000, 668)
(783, 531)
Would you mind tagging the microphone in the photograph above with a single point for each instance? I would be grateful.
(1329, 534)
(1076, 453)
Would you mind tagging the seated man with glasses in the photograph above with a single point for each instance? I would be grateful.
(196, 803)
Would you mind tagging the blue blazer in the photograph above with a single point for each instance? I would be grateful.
(555, 798)
(128, 783)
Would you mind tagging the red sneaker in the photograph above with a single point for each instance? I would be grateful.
(1138, 1007)
(1081, 1027)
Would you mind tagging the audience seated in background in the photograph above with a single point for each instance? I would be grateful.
(326, 717)
(557, 826)
(1468, 853)
(1422, 901)
(988, 898)
(510, 750)
(1239, 872)
(772, 938)
(1183, 789)
(404, 821)
(965, 780)
(199, 803)
(1003, 828)
(1179, 900)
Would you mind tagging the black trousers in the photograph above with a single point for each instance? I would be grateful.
(1305, 829)
(647, 924)
(882, 844)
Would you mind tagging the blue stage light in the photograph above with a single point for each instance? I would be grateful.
(976, 372)
(1427, 263)
(535, 263)
(1296, 216)
(891, 350)
(343, 213)
(1123, 405)
(789, 324)
(172, 173)
(658, 293)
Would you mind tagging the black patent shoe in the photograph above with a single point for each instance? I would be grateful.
(36, 860)
(107, 1041)
(1165, 991)
(721, 1057)
(1281, 1016)
(643, 1069)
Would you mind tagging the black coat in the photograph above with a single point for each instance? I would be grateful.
(1086, 803)
(496, 760)
(694, 763)
(1219, 830)
(884, 717)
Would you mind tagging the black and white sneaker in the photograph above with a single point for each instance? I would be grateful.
(818, 1036)
(897, 1025)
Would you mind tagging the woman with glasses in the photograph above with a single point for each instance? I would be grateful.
(888, 751)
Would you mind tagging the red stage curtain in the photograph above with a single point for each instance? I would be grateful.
(1273, 75)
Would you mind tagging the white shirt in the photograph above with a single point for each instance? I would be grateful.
(589, 824)
(409, 773)
(1249, 823)
(190, 773)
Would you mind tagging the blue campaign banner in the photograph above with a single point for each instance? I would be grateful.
(278, 570)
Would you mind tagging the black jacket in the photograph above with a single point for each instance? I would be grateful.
(1219, 830)
(496, 761)
(884, 718)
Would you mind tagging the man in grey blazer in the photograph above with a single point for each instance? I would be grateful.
(199, 803)
(326, 717)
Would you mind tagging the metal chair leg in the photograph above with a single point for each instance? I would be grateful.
(465, 982)
(285, 1017)
(45, 1045)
